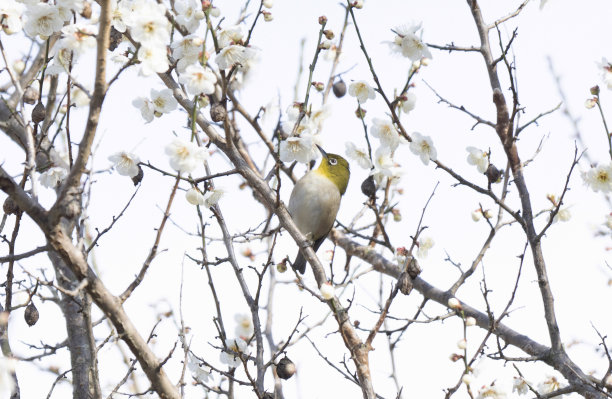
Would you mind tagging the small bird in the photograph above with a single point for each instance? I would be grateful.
(315, 200)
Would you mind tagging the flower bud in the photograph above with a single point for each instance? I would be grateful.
(329, 34)
(325, 45)
(282, 266)
(590, 103)
(86, 13)
(476, 215)
(38, 113)
(327, 291)
(467, 379)
(268, 3)
(19, 66)
(493, 174)
(397, 216)
(285, 368)
(595, 90)
(322, 20)
(267, 16)
(454, 303)
(319, 86)
(358, 4)
(462, 344)
(339, 88)
(455, 356)
(10, 207)
(488, 214)
(368, 187)
(30, 95)
(360, 112)
(470, 321)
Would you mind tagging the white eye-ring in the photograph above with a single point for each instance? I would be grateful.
(333, 161)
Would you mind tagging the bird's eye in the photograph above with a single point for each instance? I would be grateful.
(333, 161)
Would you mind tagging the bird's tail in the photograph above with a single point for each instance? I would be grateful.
(300, 262)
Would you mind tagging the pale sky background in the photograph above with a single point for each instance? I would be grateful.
(575, 37)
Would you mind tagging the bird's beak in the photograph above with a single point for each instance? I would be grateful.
(322, 151)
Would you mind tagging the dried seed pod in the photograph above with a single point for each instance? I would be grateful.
(339, 88)
(138, 178)
(405, 283)
(38, 113)
(413, 268)
(493, 174)
(115, 39)
(285, 368)
(31, 314)
(10, 207)
(218, 112)
(86, 13)
(30, 95)
(368, 187)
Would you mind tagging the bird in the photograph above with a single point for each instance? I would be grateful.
(315, 201)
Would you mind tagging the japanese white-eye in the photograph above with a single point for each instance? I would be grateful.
(315, 200)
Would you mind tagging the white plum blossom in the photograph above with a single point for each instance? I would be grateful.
(520, 386)
(408, 103)
(462, 344)
(163, 100)
(43, 20)
(476, 215)
(606, 72)
(470, 321)
(67, 7)
(408, 44)
(62, 58)
(235, 346)
(383, 162)
(213, 197)
(564, 215)
(423, 147)
(293, 114)
(362, 91)
(244, 326)
(425, 244)
(152, 59)
(318, 116)
(197, 372)
(79, 97)
(229, 36)
(53, 177)
(357, 154)
(268, 3)
(234, 55)
(187, 51)
(301, 149)
(10, 15)
(185, 156)
(125, 163)
(78, 38)
(491, 392)
(478, 158)
(149, 25)
(327, 291)
(146, 107)
(189, 14)
(550, 384)
(384, 130)
(599, 178)
(194, 196)
(198, 80)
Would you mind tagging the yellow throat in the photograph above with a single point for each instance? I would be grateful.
(336, 169)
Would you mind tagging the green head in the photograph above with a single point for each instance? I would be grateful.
(335, 168)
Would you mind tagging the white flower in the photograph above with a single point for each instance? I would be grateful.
(454, 303)
(152, 59)
(79, 97)
(268, 3)
(234, 54)
(67, 7)
(43, 20)
(185, 156)
(147, 108)
(470, 321)
(194, 197)
(408, 44)
(125, 163)
(119, 14)
(476, 215)
(383, 162)
(549, 385)
(301, 149)
(478, 158)
(318, 116)
(78, 38)
(213, 197)
(425, 244)
(62, 59)
(384, 130)
(599, 178)
(236, 346)
(520, 386)
(149, 25)
(467, 379)
(10, 15)
(491, 391)
(606, 72)
(198, 80)
(7, 368)
(357, 154)
(163, 100)
(229, 36)
(462, 344)
(563, 215)
(409, 103)
(197, 372)
(189, 14)
(423, 147)
(187, 50)
(327, 291)
(244, 326)
(53, 177)
(362, 91)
